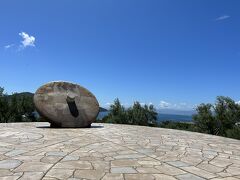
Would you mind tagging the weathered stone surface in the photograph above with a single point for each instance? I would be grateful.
(56, 153)
(122, 163)
(33, 167)
(65, 104)
(199, 172)
(10, 177)
(169, 170)
(163, 177)
(32, 175)
(147, 170)
(15, 152)
(123, 170)
(139, 177)
(210, 168)
(89, 174)
(70, 158)
(9, 164)
(60, 173)
(50, 159)
(115, 176)
(189, 176)
(74, 165)
(178, 163)
(114, 152)
(5, 172)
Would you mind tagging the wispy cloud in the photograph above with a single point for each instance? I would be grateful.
(28, 40)
(177, 106)
(183, 104)
(164, 104)
(8, 46)
(108, 104)
(220, 18)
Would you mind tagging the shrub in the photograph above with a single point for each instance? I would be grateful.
(233, 133)
(137, 114)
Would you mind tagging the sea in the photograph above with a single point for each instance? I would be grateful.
(162, 117)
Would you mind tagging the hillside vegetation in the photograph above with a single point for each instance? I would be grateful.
(17, 107)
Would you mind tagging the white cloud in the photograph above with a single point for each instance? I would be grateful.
(27, 40)
(164, 104)
(8, 46)
(108, 104)
(177, 106)
(238, 102)
(220, 18)
(183, 104)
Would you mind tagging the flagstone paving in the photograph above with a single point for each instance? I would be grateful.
(107, 151)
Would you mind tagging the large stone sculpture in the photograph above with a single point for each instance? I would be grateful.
(65, 104)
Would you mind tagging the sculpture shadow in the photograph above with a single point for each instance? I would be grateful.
(97, 126)
(49, 127)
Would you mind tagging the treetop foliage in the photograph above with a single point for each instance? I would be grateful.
(136, 115)
(218, 119)
(16, 107)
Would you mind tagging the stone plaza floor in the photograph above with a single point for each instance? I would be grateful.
(107, 151)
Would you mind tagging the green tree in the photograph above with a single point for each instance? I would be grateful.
(117, 113)
(27, 108)
(4, 106)
(21, 108)
(142, 115)
(205, 120)
(15, 109)
(219, 119)
(227, 114)
(136, 114)
(151, 115)
(1, 91)
(234, 132)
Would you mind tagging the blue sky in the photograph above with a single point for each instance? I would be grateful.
(171, 53)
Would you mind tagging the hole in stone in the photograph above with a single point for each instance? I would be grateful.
(72, 106)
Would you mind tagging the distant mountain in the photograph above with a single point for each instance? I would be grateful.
(19, 95)
(101, 109)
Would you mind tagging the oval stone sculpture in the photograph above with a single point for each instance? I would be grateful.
(66, 104)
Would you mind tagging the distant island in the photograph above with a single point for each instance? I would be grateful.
(101, 109)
